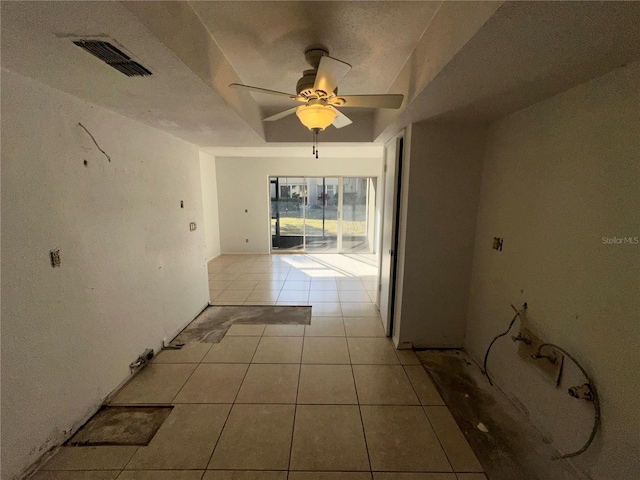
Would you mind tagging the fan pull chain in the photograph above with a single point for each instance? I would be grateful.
(314, 150)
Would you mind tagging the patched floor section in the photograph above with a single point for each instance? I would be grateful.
(121, 426)
(212, 324)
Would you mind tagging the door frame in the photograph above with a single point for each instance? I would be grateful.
(340, 208)
(390, 241)
(270, 214)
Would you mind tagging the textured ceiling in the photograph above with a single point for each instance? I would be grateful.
(265, 41)
(462, 61)
(37, 42)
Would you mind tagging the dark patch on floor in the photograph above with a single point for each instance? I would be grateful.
(513, 448)
(211, 325)
(121, 426)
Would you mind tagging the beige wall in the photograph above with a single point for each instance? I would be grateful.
(243, 184)
(210, 205)
(558, 177)
(131, 272)
(443, 169)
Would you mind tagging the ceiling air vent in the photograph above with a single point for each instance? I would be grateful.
(113, 57)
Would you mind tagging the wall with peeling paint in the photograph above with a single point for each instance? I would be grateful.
(557, 178)
(131, 272)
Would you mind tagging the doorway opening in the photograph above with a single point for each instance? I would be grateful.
(390, 237)
(396, 234)
(323, 214)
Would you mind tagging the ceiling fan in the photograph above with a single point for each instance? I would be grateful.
(318, 91)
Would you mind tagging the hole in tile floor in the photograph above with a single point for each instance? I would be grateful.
(211, 325)
(121, 426)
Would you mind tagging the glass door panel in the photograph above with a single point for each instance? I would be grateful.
(321, 215)
(355, 216)
(288, 196)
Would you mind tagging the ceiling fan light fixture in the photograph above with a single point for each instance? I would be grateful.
(316, 116)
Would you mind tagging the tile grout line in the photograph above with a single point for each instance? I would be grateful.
(404, 369)
(427, 416)
(231, 408)
(355, 387)
(172, 402)
(295, 410)
(239, 278)
(438, 438)
(341, 316)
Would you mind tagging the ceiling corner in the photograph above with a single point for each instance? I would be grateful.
(180, 29)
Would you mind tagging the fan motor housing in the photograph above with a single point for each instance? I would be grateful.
(304, 87)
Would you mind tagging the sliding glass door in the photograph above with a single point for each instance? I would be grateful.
(322, 214)
(287, 213)
(356, 214)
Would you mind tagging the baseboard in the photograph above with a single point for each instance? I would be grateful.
(437, 346)
(245, 253)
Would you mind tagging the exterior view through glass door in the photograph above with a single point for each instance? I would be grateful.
(322, 214)
(358, 203)
(287, 220)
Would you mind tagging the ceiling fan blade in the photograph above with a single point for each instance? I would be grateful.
(370, 101)
(263, 90)
(341, 119)
(330, 72)
(280, 115)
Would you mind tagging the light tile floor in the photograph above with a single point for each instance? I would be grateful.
(338, 285)
(329, 401)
